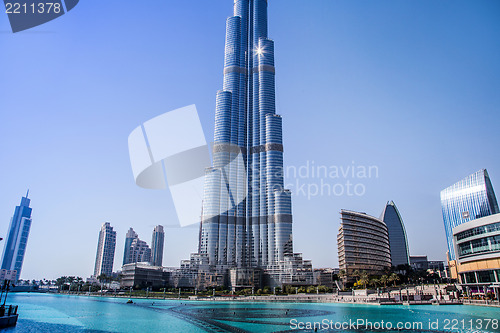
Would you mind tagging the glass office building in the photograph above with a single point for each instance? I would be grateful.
(17, 239)
(397, 235)
(255, 232)
(469, 199)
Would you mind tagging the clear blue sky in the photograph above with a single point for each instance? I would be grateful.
(411, 87)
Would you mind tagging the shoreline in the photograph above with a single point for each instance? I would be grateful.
(299, 298)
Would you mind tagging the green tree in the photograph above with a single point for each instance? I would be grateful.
(364, 279)
(384, 279)
(394, 278)
(374, 282)
(342, 274)
(311, 289)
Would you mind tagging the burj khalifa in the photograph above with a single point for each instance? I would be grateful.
(247, 212)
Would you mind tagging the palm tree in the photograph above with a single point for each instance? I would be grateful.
(384, 279)
(374, 282)
(364, 279)
(102, 278)
(394, 278)
(342, 274)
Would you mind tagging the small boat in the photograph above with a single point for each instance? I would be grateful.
(8, 313)
(130, 301)
(8, 316)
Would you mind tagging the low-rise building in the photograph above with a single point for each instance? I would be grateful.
(419, 263)
(325, 276)
(477, 248)
(143, 275)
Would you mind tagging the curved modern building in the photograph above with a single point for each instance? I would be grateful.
(255, 232)
(477, 245)
(363, 244)
(469, 199)
(400, 253)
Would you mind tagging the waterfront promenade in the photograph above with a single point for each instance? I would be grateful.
(417, 295)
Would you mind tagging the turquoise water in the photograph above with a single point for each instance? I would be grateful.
(59, 313)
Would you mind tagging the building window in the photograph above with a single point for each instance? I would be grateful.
(486, 276)
(470, 277)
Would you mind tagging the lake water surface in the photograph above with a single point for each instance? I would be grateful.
(59, 313)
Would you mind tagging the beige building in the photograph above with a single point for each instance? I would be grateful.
(477, 247)
(363, 245)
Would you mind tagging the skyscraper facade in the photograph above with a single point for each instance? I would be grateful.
(397, 235)
(139, 251)
(255, 232)
(129, 238)
(105, 251)
(157, 246)
(363, 244)
(469, 199)
(17, 239)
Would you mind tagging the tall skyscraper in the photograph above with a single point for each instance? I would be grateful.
(105, 251)
(471, 198)
(257, 232)
(129, 238)
(397, 235)
(17, 238)
(157, 246)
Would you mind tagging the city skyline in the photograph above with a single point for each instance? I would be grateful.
(410, 78)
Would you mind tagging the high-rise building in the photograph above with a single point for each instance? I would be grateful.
(136, 250)
(17, 239)
(257, 231)
(139, 251)
(105, 251)
(129, 238)
(397, 235)
(469, 199)
(157, 246)
(363, 244)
